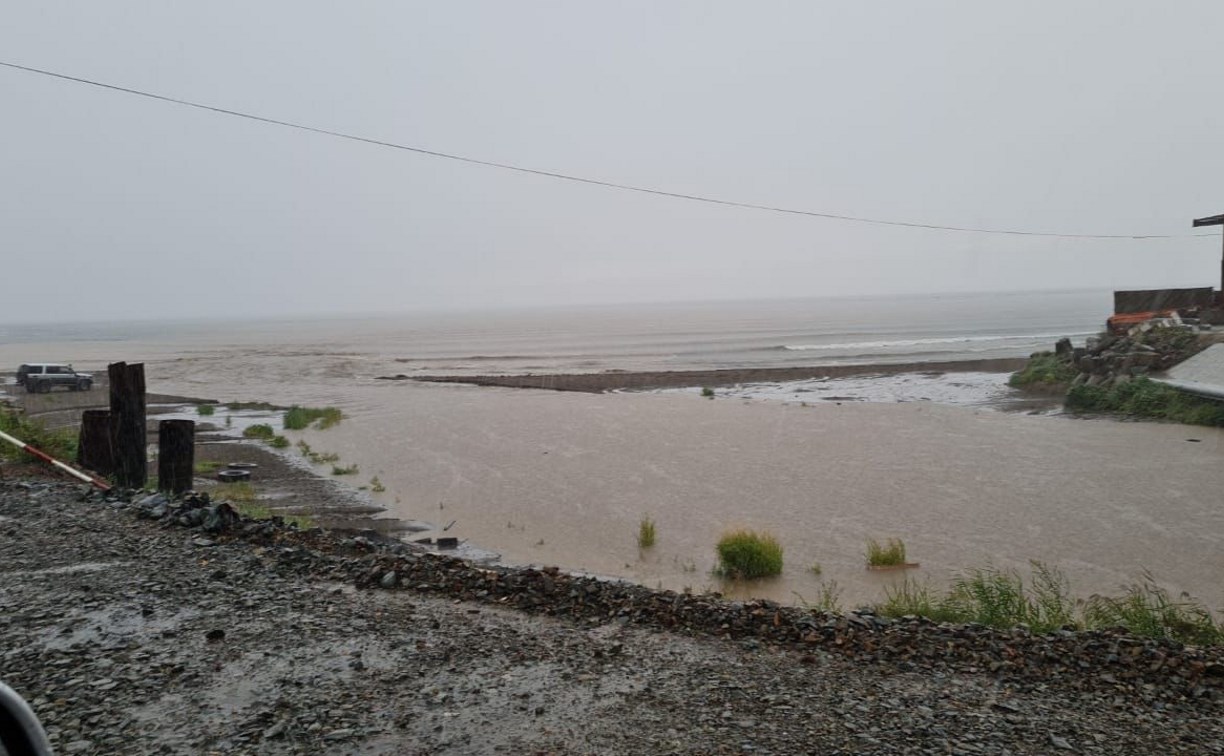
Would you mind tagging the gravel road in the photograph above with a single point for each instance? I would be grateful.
(142, 636)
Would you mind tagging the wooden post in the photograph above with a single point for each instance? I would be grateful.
(1214, 220)
(175, 455)
(127, 400)
(94, 449)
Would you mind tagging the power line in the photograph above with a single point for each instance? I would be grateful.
(581, 179)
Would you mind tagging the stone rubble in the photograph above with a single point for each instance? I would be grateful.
(138, 624)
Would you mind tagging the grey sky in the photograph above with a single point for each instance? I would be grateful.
(1080, 117)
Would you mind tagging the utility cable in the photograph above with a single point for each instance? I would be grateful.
(581, 179)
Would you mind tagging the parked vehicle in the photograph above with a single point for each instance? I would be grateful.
(41, 377)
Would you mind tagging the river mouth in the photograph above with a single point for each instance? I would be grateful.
(564, 478)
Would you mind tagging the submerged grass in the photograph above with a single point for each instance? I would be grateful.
(888, 555)
(205, 410)
(748, 554)
(349, 470)
(300, 418)
(646, 533)
(278, 442)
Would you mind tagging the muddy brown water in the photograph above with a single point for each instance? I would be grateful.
(563, 478)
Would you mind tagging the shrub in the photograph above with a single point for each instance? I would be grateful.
(61, 444)
(299, 418)
(646, 533)
(259, 430)
(891, 555)
(748, 554)
(205, 410)
(706, 391)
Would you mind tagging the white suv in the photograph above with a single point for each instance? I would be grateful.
(39, 378)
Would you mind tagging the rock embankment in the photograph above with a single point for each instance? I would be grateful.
(1110, 360)
(137, 625)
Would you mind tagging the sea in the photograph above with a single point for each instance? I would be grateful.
(678, 336)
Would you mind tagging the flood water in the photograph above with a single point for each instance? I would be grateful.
(557, 478)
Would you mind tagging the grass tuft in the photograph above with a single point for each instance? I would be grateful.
(707, 392)
(300, 418)
(349, 470)
(207, 466)
(748, 554)
(376, 485)
(646, 533)
(1147, 610)
(205, 410)
(261, 431)
(278, 442)
(889, 555)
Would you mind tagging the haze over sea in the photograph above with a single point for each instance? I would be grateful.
(778, 333)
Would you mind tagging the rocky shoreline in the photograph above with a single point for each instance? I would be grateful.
(138, 625)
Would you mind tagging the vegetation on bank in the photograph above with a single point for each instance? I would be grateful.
(59, 443)
(205, 410)
(891, 554)
(1044, 370)
(300, 418)
(1143, 397)
(747, 554)
(1002, 599)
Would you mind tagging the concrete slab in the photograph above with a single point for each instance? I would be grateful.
(1202, 374)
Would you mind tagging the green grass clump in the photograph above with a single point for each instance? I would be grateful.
(748, 554)
(707, 392)
(1044, 369)
(991, 596)
(314, 456)
(1143, 397)
(278, 442)
(262, 431)
(205, 410)
(207, 466)
(646, 533)
(376, 485)
(61, 444)
(238, 493)
(1146, 609)
(300, 418)
(350, 470)
(889, 555)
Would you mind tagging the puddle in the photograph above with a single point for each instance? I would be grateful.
(103, 625)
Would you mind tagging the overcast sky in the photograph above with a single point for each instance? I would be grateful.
(1075, 117)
